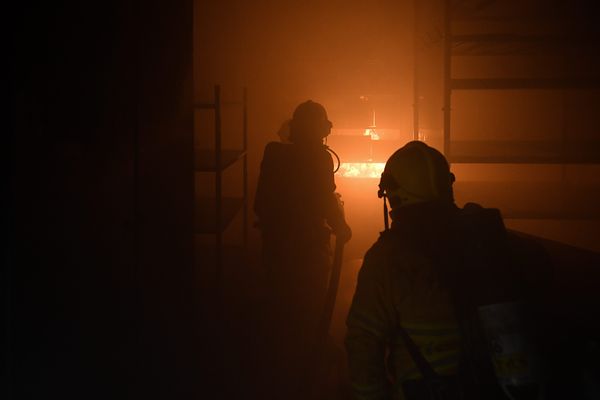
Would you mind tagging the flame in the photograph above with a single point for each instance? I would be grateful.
(361, 170)
(370, 131)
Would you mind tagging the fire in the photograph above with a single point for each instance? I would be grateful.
(361, 170)
(370, 131)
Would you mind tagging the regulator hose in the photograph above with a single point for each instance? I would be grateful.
(339, 163)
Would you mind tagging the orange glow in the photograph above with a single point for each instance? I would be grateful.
(361, 170)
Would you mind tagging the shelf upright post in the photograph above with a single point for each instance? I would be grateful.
(447, 74)
(218, 188)
(416, 71)
(245, 178)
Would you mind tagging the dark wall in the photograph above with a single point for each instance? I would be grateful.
(101, 298)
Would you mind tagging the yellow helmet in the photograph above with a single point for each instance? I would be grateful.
(416, 173)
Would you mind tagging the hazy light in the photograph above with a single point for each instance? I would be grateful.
(361, 170)
(371, 132)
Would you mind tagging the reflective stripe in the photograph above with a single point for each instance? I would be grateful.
(430, 326)
(439, 343)
(437, 365)
(432, 332)
(432, 342)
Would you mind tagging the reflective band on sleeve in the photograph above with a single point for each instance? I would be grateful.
(432, 332)
(439, 366)
(439, 343)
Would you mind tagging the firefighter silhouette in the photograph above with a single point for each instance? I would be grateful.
(295, 199)
(297, 212)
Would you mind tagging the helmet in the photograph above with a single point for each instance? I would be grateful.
(309, 123)
(416, 173)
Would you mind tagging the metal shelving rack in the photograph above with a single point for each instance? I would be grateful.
(215, 214)
(509, 44)
(563, 151)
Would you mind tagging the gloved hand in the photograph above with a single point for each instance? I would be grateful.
(344, 233)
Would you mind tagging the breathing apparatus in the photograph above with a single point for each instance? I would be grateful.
(416, 173)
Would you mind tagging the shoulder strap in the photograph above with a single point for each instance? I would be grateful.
(422, 364)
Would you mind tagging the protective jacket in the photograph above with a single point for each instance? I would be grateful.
(296, 188)
(295, 201)
(407, 279)
(297, 209)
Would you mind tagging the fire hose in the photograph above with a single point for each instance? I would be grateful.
(309, 385)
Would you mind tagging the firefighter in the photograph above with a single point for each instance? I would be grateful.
(408, 334)
(297, 210)
(295, 202)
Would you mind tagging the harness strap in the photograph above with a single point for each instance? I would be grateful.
(438, 387)
(422, 364)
